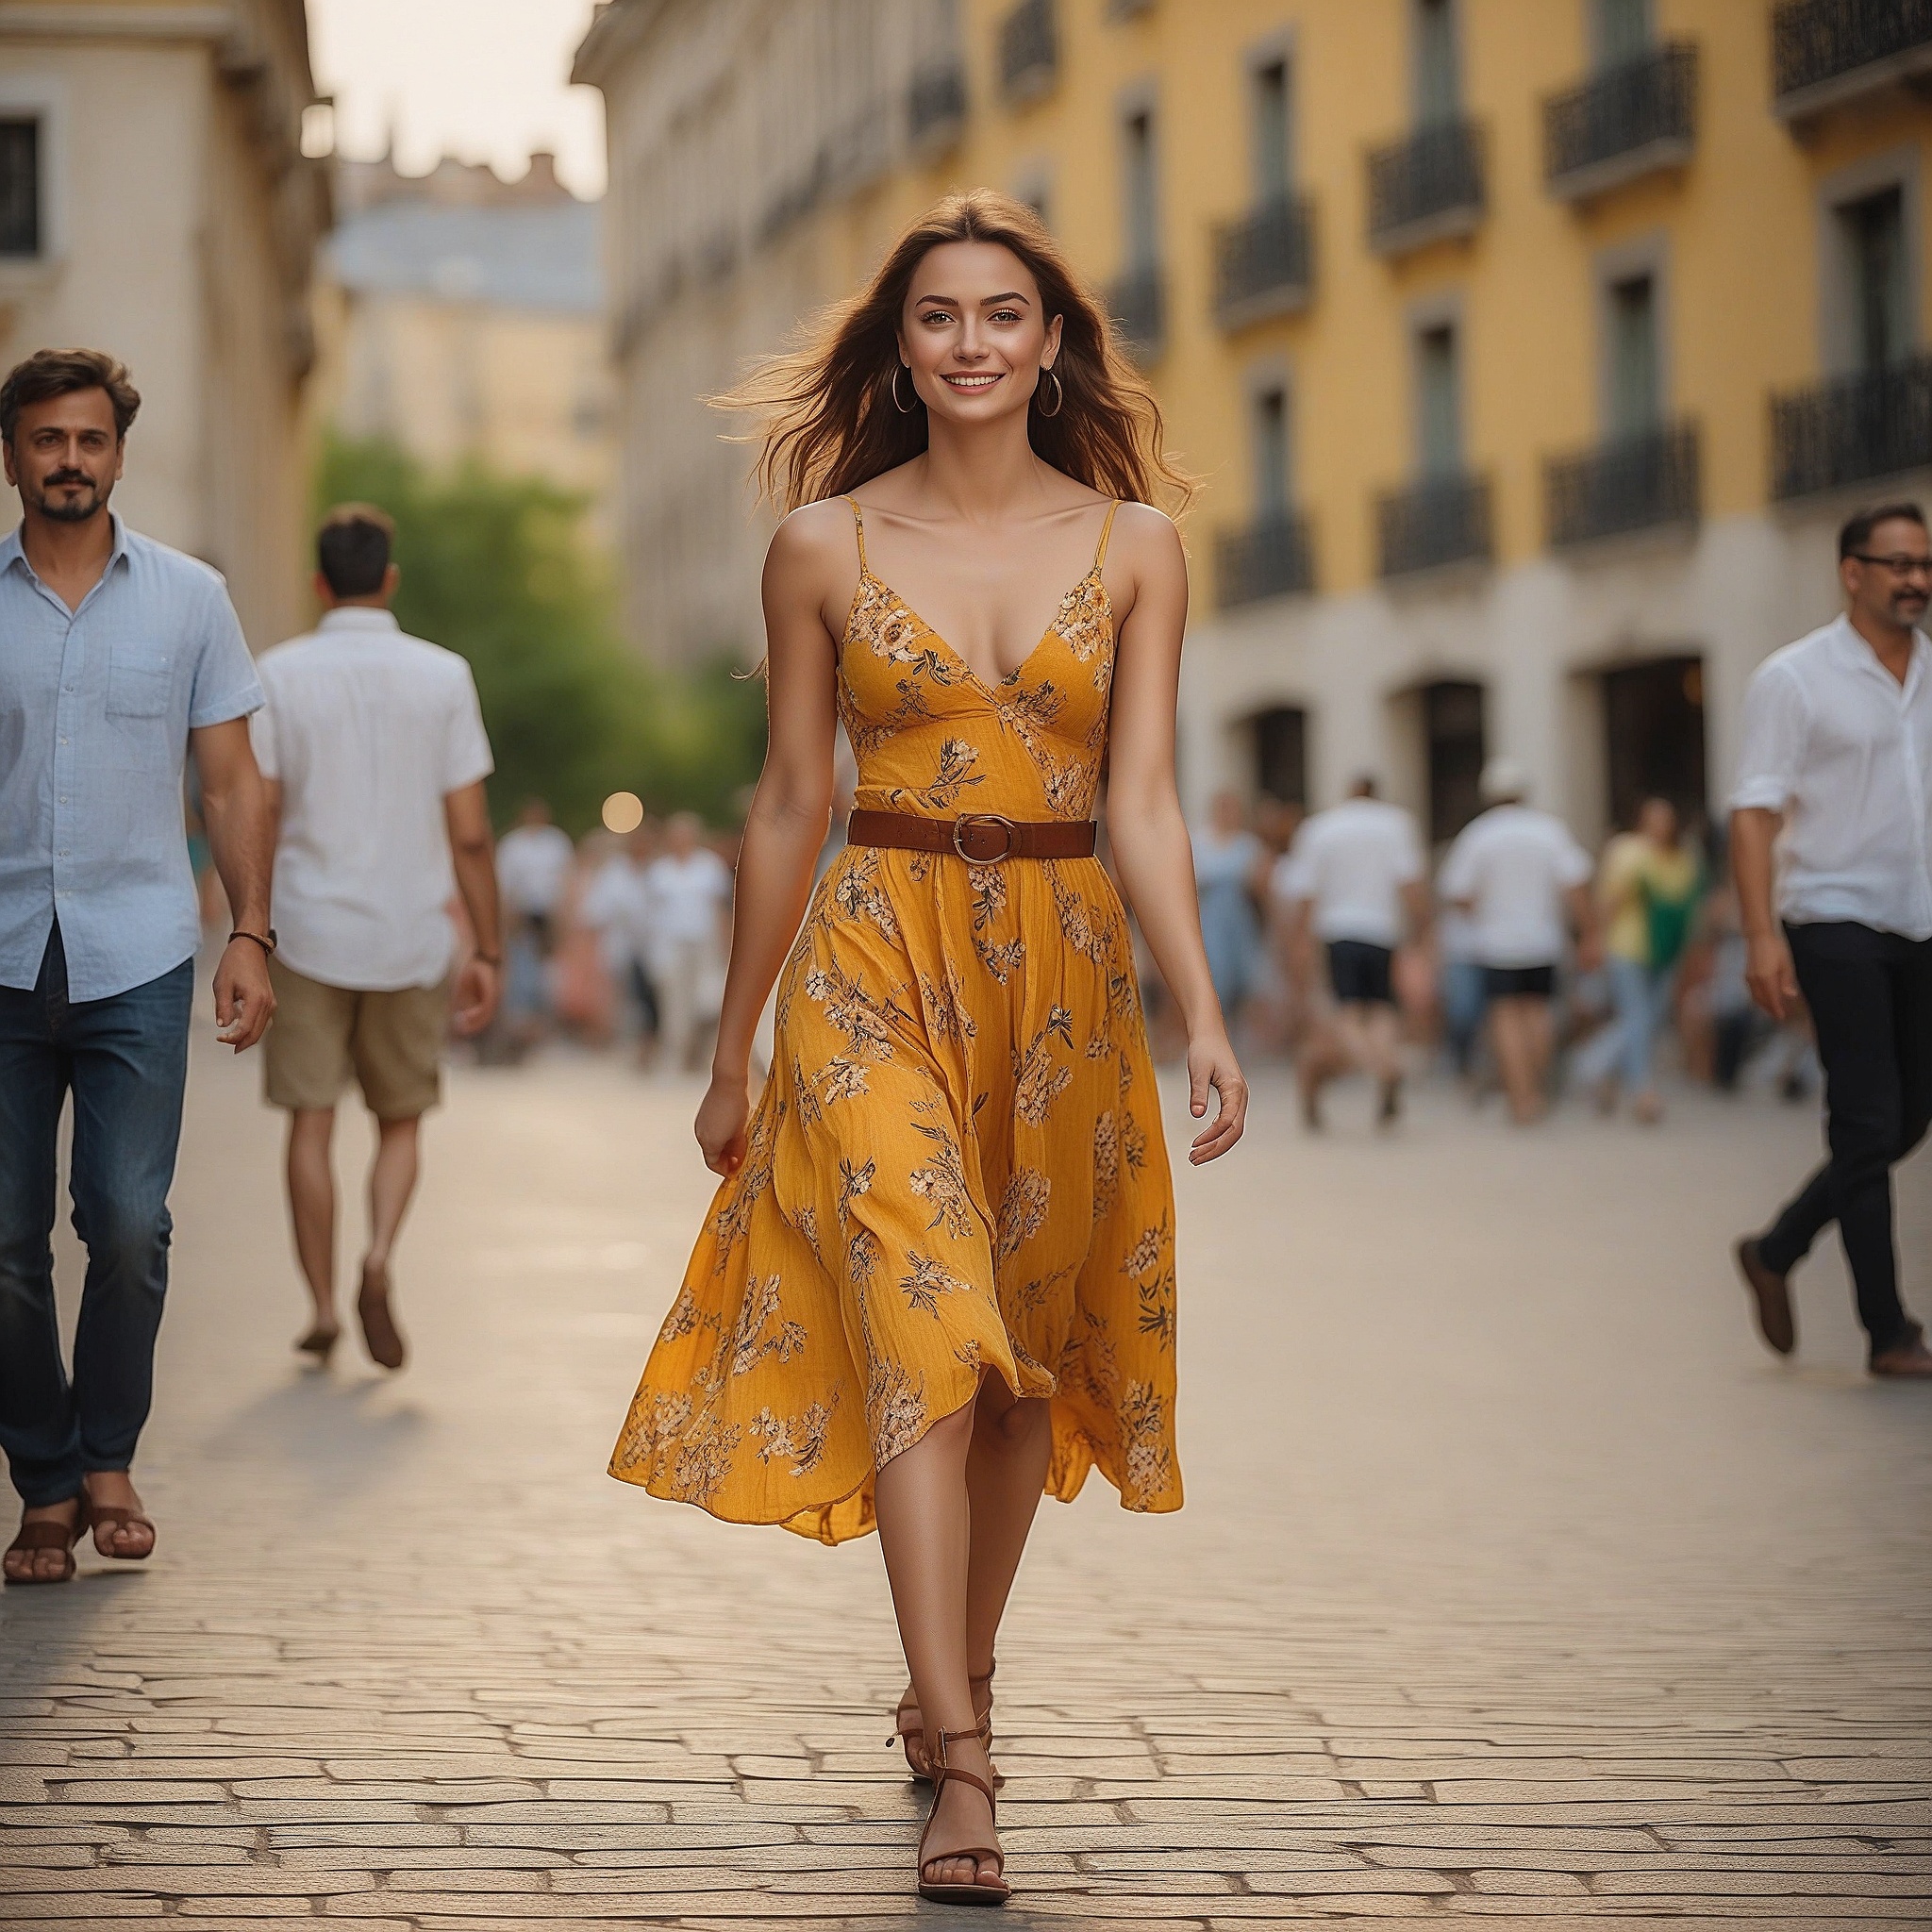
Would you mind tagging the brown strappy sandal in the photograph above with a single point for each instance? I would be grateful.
(999, 1891)
(911, 1726)
(112, 1516)
(49, 1534)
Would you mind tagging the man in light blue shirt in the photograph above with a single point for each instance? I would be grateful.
(116, 655)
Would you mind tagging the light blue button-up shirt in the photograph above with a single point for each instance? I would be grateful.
(96, 708)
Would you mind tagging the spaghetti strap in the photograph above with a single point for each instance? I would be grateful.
(1099, 556)
(858, 529)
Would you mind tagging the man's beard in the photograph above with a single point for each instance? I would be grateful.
(73, 509)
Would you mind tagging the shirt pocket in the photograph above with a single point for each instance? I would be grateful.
(140, 680)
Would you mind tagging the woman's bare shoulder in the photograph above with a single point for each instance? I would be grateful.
(1147, 537)
(813, 533)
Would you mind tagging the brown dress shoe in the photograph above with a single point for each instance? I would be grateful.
(1908, 1358)
(1772, 1294)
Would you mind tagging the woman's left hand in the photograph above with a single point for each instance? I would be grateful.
(1211, 1064)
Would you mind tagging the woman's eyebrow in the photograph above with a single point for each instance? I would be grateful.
(985, 301)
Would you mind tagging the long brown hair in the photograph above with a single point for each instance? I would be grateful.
(830, 422)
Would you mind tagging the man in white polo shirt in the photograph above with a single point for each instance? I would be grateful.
(1837, 758)
(1354, 871)
(1516, 873)
(372, 744)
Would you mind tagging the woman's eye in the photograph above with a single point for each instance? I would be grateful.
(936, 315)
(1004, 315)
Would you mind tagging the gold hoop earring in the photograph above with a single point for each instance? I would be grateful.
(1060, 393)
(903, 408)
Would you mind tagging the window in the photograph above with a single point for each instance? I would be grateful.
(1619, 31)
(1272, 131)
(1456, 744)
(1137, 188)
(1438, 90)
(1281, 754)
(1634, 387)
(1880, 295)
(1269, 435)
(1654, 737)
(20, 186)
(1439, 417)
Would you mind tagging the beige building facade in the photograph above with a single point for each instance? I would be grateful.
(156, 202)
(466, 323)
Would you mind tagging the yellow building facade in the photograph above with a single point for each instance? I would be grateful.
(1531, 351)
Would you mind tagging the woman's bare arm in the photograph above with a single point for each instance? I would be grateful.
(1149, 836)
(791, 809)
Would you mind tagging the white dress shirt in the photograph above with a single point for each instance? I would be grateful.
(367, 730)
(1353, 860)
(1514, 865)
(1845, 751)
(533, 865)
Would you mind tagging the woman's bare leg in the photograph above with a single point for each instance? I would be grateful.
(925, 1534)
(1005, 1476)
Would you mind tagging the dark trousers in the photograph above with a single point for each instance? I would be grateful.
(1870, 999)
(124, 1060)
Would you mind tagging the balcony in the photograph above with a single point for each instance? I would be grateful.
(1270, 557)
(1633, 483)
(1426, 188)
(1264, 264)
(1623, 124)
(1138, 303)
(1827, 52)
(1853, 430)
(1029, 50)
(1441, 519)
(936, 106)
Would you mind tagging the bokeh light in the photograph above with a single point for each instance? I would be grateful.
(624, 811)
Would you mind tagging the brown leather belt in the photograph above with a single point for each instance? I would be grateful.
(983, 838)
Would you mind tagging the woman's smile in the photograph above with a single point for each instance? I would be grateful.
(972, 381)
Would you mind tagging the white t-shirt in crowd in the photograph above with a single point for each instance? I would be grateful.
(1835, 742)
(1353, 860)
(533, 865)
(1515, 865)
(685, 895)
(617, 907)
(367, 730)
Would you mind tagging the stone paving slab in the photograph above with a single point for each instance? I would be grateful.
(1515, 1582)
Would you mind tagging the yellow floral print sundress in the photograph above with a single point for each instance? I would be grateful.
(957, 1164)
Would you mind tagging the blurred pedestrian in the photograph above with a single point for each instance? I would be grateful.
(1229, 864)
(1353, 874)
(117, 655)
(1517, 872)
(533, 868)
(1831, 834)
(1460, 990)
(1648, 888)
(688, 919)
(617, 907)
(373, 747)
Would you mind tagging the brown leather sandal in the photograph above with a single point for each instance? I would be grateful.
(977, 1893)
(911, 1729)
(49, 1534)
(112, 1516)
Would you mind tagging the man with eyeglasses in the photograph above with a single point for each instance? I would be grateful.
(1838, 759)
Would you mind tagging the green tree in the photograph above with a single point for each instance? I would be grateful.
(496, 568)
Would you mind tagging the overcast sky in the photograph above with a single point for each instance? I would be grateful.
(484, 79)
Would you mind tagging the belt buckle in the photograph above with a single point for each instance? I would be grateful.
(961, 832)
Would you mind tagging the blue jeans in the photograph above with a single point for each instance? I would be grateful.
(1627, 1047)
(125, 1060)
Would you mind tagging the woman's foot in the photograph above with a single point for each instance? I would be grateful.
(959, 1846)
(911, 1727)
(1647, 1109)
(44, 1549)
(320, 1342)
(121, 1529)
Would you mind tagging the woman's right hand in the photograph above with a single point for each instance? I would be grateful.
(722, 1116)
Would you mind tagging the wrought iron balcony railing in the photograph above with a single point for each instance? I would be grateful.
(1440, 520)
(1270, 558)
(1632, 483)
(1264, 264)
(1828, 51)
(1425, 188)
(1138, 301)
(1849, 431)
(936, 103)
(1029, 50)
(1628, 120)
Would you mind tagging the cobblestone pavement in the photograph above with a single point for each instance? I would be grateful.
(1516, 1581)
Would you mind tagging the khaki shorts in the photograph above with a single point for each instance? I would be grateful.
(390, 1042)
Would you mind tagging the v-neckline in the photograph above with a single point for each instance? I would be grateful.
(866, 576)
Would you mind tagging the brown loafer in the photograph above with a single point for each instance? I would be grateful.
(1772, 1294)
(1908, 1358)
(380, 1335)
